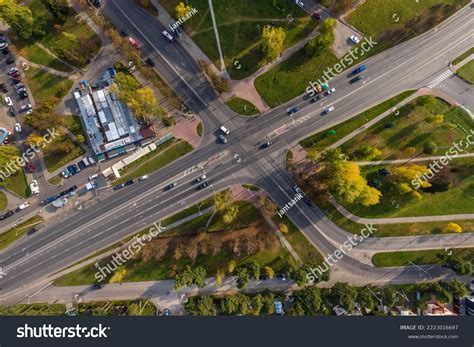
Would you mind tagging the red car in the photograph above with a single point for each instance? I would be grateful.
(30, 167)
(134, 43)
(316, 15)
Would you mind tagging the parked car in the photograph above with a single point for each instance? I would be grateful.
(22, 206)
(299, 3)
(3, 42)
(5, 51)
(3, 87)
(119, 186)
(263, 277)
(150, 62)
(32, 231)
(91, 160)
(142, 178)
(93, 177)
(170, 186)
(26, 107)
(12, 70)
(354, 39)
(97, 286)
(15, 81)
(133, 43)
(316, 98)
(124, 32)
(34, 187)
(17, 127)
(21, 90)
(129, 182)
(281, 277)
(19, 86)
(292, 110)
(201, 178)
(10, 59)
(203, 185)
(8, 101)
(23, 94)
(316, 15)
(329, 109)
(30, 168)
(81, 165)
(330, 91)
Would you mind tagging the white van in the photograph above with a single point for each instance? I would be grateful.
(224, 130)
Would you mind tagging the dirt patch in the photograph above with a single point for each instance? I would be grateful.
(243, 242)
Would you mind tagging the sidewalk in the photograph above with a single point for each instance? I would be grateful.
(411, 160)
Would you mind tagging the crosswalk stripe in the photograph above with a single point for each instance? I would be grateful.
(445, 75)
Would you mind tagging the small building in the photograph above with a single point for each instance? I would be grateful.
(109, 125)
(435, 308)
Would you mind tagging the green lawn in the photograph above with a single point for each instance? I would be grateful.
(466, 72)
(240, 23)
(463, 56)
(38, 55)
(156, 161)
(74, 124)
(305, 249)
(71, 40)
(412, 127)
(458, 199)
(3, 201)
(33, 310)
(323, 139)
(13, 234)
(54, 162)
(45, 85)
(199, 129)
(117, 308)
(247, 222)
(392, 22)
(55, 180)
(17, 184)
(426, 257)
(242, 106)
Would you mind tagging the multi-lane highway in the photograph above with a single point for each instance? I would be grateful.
(408, 66)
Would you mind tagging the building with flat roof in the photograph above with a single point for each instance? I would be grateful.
(110, 126)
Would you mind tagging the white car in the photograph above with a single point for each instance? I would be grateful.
(13, 69)
(34, 187)
(299, 3)
(23, 206)
(142, 178)
(224, 130)
(168, 36)
(18, 127)
(354, 39)
(330, 91)
(329, 109)
(8, 101)
(93, 177)
(26, 107)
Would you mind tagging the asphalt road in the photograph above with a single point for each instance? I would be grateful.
(409, 65)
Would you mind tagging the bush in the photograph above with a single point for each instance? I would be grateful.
(430, 147)
(452, 228)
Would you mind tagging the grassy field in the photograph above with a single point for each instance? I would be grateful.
(392, 22)
(466, 72)
(17, 184)
(463, 56)
(3, 201)
(33, 310)
(426, 257)
(458, 199)
(305, 250)
(117, 308)
(156, 161)
(323, 139)
(55, 180)
(74, 125)
(240, 23)
(199, 129)
(242, 106)
(166, 255)
(54, 162)
(13, 234)
(38, 55)
(71, 40)
(411, 127)
(45, 85)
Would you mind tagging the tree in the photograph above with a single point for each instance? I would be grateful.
(312, 154)
(310, 299)
(272, 41)
(230, 213)
(403, 178)
(366, 152)
(254, 269)
(199, 277)
(366, 298)
(410, 151)
(189, 277)
(257, 304)
(219, 277)
(182, 9)
(344, 295)
(458, 265)
(269, 271)
(452, 228)
(231, 266)
(8, 154)
(57, 8)
(118, 275)
(324, 39)
(18, 16)
(221, 200)
(283, 228)
(243, 277)
(456, 287)
(43, 121)
(200, 306)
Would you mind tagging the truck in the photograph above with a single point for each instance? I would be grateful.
(316, 88)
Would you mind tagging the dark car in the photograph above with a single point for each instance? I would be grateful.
(32, 231)
(169, 186)
(266, 145)
(150, 62)
(124, 32)
(119, 186)
(10, 59)
(16, 81)
(97, 286)
(97, 3)
(281, 277)
(355, 79)
(4, 88)
(5, 51)
(307, 201)
(263, 277)
(6, 215)
(81, 165)
(292, 110)
(316, 15)
(203, 185)
(316, 98)
(129, 182)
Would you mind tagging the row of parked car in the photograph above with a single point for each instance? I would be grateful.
(73, 169)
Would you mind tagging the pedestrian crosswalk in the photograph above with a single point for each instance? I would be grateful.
(445, 75)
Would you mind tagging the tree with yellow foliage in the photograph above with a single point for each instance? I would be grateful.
(452, 228)
(272, 41)
(182, 9)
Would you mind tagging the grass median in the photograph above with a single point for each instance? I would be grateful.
(13, 234)
(420, 257)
